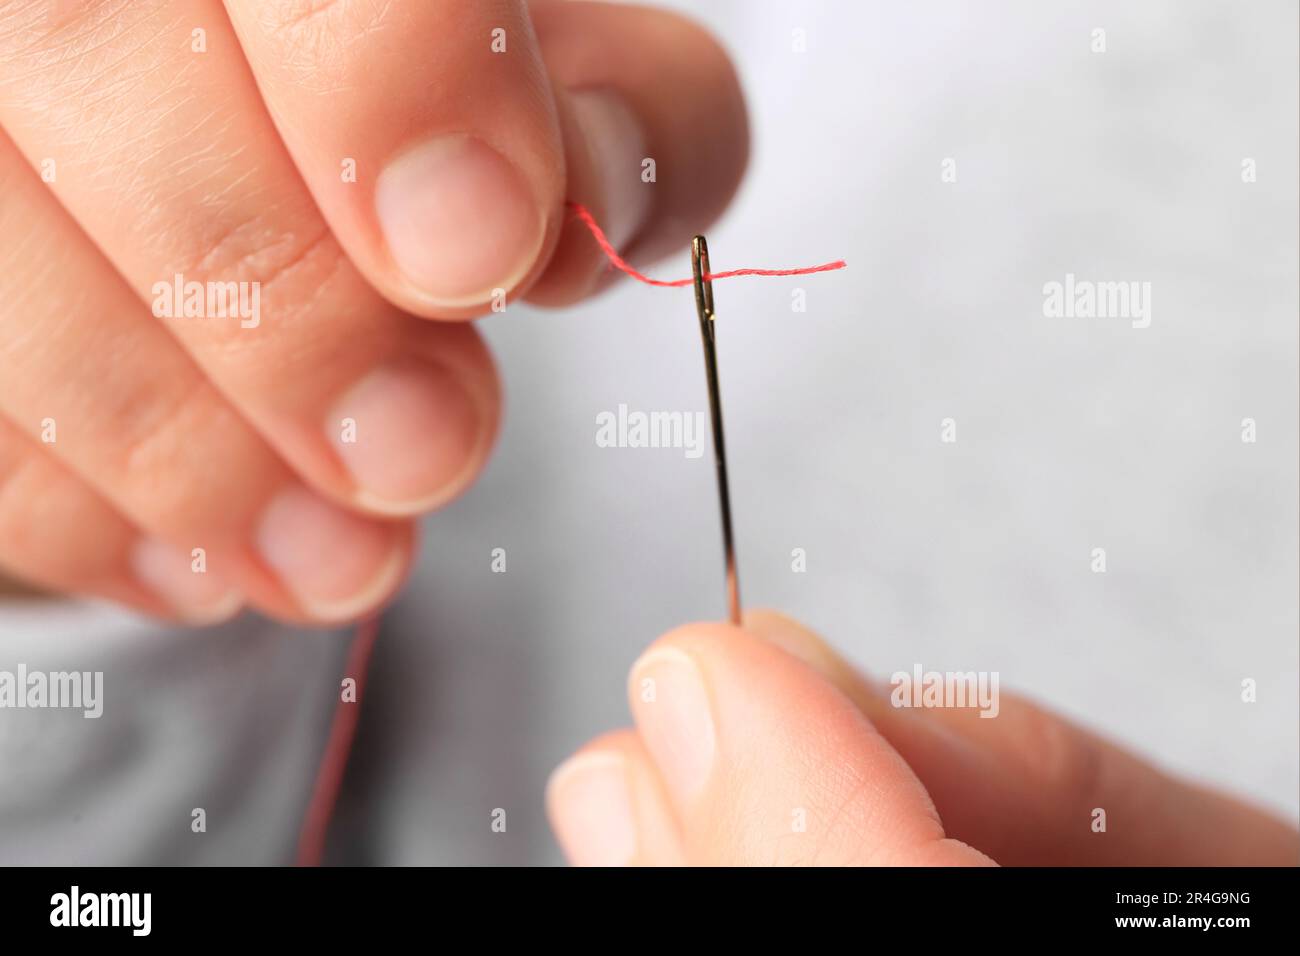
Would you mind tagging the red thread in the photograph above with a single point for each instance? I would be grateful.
(599, 234)
(329, 776)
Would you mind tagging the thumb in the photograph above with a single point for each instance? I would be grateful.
(759, 761)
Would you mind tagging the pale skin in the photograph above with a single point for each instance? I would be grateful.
(383, 171)
(760, 745)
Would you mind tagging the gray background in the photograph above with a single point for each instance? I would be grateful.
(1072, 434)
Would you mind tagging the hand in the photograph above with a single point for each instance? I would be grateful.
(344, 166)
(762, 746)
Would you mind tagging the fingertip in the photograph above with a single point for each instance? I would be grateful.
(589, 804)
(195, 595)
(334, 566)
(732, 721)
(419, 436)
(607, 806)
(462, 225)
(681, 646)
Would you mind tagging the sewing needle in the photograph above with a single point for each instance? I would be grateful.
(704, 307)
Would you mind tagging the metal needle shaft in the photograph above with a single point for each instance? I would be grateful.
(704, 307)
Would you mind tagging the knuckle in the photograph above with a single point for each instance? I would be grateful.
(263, 251)
(311, 37)
(288, 268)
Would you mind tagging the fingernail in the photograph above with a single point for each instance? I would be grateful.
(410, 434)
(182, 580)
(591, 810)
(459, 220)
(673, 714)
(613, 136)
(336, 565)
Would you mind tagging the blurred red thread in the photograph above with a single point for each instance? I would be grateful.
(329, 776)
(619, 262)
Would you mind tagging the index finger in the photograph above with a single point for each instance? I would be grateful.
(441, 139)
(426, 133)
(1027, 786)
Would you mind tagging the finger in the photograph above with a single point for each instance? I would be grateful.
(166, 155)
(637, 86)
(464, 159)
(607, 806)
(57, 533)
(765, 762)
(457, 152)
(89, 374)
(1024, 787)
